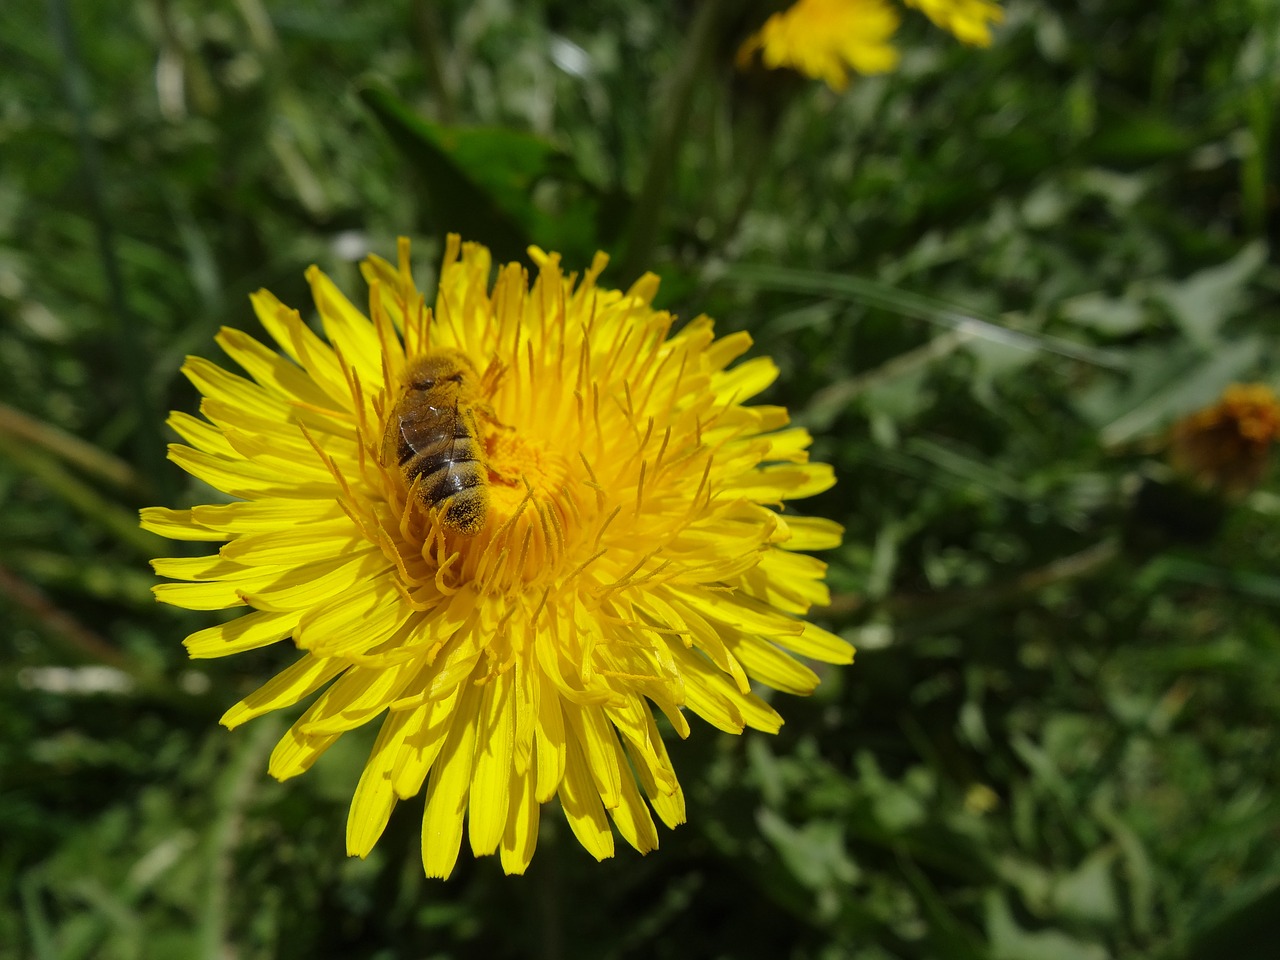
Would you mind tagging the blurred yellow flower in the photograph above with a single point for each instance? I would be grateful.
(1225, 447)
(969, 20)
(825, 39)
(622, 546)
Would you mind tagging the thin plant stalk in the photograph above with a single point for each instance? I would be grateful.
(650, 206)
(130, 361)
(90, 461)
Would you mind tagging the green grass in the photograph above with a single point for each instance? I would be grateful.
(988, 280)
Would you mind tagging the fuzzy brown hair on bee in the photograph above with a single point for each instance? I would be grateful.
(433, 439)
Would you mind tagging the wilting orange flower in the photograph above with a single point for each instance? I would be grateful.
(505, 528)
(1225, 447)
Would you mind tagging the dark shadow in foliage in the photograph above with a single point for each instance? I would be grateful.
(503, 188)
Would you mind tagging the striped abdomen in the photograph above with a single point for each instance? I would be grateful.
(433, 439)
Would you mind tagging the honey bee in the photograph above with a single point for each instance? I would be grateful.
(433, 438)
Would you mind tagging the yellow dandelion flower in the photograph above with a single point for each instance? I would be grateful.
(969, 20)
(825, 39)
(508, 526)
(1225, 447)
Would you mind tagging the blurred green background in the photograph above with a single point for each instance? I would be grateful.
(991, 280)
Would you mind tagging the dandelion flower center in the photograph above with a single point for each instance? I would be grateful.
(518, 466)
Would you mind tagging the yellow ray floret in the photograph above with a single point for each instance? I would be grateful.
(625, 545)
(826, 39)
(829, 39)
(969, 20)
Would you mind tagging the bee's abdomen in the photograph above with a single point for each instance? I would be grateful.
(441, 455)
(446, 468)
(432, 437)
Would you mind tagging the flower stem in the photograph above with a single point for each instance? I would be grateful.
(426, 36)
(83, 497)
(235, 793)
(86, 642)
(84, 457)
(646, 219)
(130, 361)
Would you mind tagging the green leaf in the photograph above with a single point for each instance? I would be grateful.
(1256, 586)
(1010, 942)
(460, 199)
(814, 853)
(1168, 383)
(886, 296)
(1202, 302)
(1134, 861)
(1108, 316)
(482, 181)
(1248, 931)
(949, 937)
(1088, 893)
(1135, 140)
